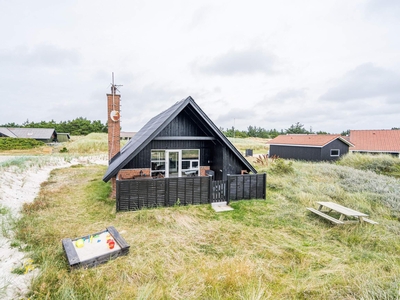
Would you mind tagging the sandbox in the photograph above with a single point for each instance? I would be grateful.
(94, 249)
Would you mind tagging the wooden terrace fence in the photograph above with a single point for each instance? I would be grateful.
(135, 194)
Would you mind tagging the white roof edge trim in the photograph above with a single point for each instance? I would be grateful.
(293, 145)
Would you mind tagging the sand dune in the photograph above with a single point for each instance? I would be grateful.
(16, 188)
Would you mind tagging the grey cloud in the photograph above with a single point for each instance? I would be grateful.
(379, 6)
(290, 94)
(365, 81)
(239, 118)
(139, 106)
(241, 62)
(42, 55)
(199, 16)
(395, 99)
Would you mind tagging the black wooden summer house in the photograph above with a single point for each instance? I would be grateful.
(310, 147)
(179, 156)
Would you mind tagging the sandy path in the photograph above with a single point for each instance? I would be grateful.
(16, 188)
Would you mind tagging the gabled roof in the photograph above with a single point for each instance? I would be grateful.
(375, 140)
(6, 132)
(307, 140)
(31, 133)
(153, 127)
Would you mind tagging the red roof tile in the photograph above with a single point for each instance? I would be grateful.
(315, 140)
(375, 140)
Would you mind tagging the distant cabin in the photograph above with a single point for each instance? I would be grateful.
(63, 137)
(46, 135)
(126, 135)
(375, 141)
(310, 147)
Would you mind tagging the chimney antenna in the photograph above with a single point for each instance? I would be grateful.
(114, 88)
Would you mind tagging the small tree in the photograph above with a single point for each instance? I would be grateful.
(345, 133)
(297, 128)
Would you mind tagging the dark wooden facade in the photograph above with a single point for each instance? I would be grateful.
(310, 153)
(187, 129)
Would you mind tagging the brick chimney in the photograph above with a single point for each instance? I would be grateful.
(114, 125)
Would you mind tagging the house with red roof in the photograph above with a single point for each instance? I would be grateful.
(310, 147)
(376, 141)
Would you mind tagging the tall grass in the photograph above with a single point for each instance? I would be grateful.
(380, 164)
(263, 249)
(22, 163)
(93, 143)
(258, 145)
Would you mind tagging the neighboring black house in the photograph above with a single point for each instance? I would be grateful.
(46, 135)
(311, 147)
(181, 141)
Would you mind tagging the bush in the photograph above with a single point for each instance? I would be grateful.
(279, 166)
(64, 150)
(19, 143)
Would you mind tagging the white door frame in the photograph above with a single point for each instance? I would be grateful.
(179, 162)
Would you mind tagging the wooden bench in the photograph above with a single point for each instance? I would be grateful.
(329, 218)
(370, 221)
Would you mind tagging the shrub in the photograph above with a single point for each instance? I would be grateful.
(279, 166)
(64, 150)
(19, 143)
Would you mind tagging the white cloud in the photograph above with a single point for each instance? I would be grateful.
(234, 62)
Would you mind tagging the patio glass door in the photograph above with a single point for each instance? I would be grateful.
(173, 167)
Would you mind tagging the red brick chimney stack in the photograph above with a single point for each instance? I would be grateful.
(114, 126)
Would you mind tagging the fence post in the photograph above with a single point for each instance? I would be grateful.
(117, 186)
(166, 196)
(210, 189)
(227, 189)
(265, 185)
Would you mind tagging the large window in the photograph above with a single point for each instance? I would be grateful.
(190, 162)
(175, 163)
(158, 163)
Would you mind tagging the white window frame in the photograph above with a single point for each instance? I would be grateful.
(334, 155)
(157, 161)
(181, 171)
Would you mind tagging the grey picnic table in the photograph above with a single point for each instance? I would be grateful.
(347, 215)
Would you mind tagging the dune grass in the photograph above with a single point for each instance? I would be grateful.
(380, 164)
(258, 145)
(92, 143)
(264, 249)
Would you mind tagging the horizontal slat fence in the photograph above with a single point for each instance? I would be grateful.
(250, 186)
(135, 194)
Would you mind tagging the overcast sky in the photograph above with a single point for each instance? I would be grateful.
(331, 65)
